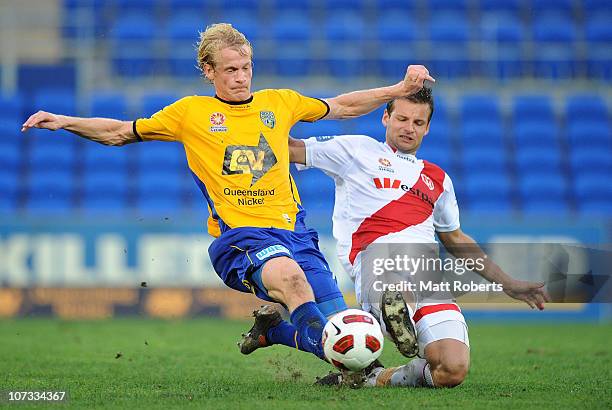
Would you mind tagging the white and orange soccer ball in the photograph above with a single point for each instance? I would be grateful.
(352, 340)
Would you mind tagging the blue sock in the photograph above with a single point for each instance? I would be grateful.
(309, 322)
(282, 334)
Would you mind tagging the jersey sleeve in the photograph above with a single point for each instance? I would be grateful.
(330, 154)
(164, 125)
(446, 211)
(304, 108)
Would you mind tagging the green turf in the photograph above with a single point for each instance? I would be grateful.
(195, 363)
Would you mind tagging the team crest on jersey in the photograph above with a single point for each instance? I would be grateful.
(427, 182)
(268, 118)
(217, 119)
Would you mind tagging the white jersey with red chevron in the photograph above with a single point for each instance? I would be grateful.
(382, 195)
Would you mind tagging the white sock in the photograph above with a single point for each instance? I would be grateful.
(414, 374)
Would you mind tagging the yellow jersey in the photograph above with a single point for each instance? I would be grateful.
(238, 154)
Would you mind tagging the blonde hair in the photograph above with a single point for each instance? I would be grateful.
(217, 37)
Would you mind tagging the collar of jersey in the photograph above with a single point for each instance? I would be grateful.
(398, 153)
(248, 100)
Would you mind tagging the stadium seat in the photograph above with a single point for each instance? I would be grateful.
(593, 192)
(504, 54)
(159, 192)
(292, 34)
(590, 160)
(541, 186)
(479, 107)
(449, 34)
(396, 34)
(153, 101)
(56, 100)
(591, 133)
(533, 107)
(316, 129)
(557, 8)
(546, 207)
(487, 192)
(586, 107)
(370, 126)
(182, 33)
(161, 156)
(135, 6)
(109, 104)
(447, 6)
(9, 190)
(240, 5)
(243, 21)
(97, 157)
(483, 133)
(302, 6)
(47, 155)
(107, 185)
(536, 133)
(501, 8)
(554, 38)
(598, 34)
(316, 192)
(396, 6)
(358, 6)
(595, 7)
(439, 154)
(11, 106)
(193, 7)
(478, 160)
(538, 159)
(133, 45)
(50, 191)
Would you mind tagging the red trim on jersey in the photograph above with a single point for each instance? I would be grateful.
(399, 214)
(396, 184)
(377, 183)
(427, 310)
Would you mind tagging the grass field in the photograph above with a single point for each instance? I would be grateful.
(130, 363)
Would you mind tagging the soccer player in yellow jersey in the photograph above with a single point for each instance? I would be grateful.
(237, 149)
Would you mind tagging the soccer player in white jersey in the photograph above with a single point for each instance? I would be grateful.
(385, 194)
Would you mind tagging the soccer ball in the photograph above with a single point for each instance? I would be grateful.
(352, 339)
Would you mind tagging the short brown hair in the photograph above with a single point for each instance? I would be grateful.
(217, 37)
(424, 96)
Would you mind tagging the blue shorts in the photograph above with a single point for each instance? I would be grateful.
(239, 254)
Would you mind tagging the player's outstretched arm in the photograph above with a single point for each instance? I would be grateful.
(461, 245)
(359, 103)
(103, 130)
(297, 151)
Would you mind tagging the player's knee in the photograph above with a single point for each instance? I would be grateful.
(450, 374)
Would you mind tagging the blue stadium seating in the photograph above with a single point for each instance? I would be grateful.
(533, 107)
(593, 188)
(441, 155)
(104, 192)
(563, 8)
(536, 133)
(586, 107)
(135, 6)
(153, 101)
(554, 38)
(598, 34)
(243, 21)
(591, 133)
(9, 190)
(56, 100)
(316, 192)
(11, 106)
(109, 104)
(240, 5)
(546, 207)
(595, 7)
(484, 133)
(340, 5)
(97, 157)
(159, 192)
(317, 129)
(302, 6)
(50, 191)
(447, 6)
(395, 6)
(133, 45)
(478, 160)
(502, 8)
(161, 157)
(193, 7)
(590, 161)
(542, 187)
(480, 107)
(449, 34)
(485, 193)
(53, 156)
(538, 159)
(504, 51)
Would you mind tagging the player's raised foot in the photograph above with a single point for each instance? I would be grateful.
(396, 316)
(346, 378)
(265, 318)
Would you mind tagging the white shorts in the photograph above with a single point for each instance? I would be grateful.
(432, 322)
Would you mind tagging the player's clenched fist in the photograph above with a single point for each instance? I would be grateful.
(414, 79)
(43, 119)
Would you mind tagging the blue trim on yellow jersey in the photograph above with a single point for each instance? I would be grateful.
(222, 225)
